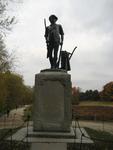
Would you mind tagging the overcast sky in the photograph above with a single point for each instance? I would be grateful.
(87, 24)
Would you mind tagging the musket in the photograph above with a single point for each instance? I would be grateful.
(45, 24)
(59, 56)
(72, 53)
(47, 44)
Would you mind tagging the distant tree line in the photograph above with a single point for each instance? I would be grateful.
(93, 95)
(89, 95)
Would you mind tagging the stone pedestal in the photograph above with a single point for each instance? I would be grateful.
(52, 102)
(52, 114)
(49, 146)
(50, 140)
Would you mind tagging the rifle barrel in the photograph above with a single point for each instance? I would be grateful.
(72, 53)
(45, 22)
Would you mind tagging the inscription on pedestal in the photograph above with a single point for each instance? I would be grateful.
(53, 103)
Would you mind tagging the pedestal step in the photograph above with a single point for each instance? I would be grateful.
(58, 135)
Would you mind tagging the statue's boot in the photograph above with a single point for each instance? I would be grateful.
(51, 63)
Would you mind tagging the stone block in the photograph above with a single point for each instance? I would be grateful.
(49, 146)
(52, 101)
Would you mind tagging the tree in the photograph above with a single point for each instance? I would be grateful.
(96, 95)
(75, 95)
(6, 60)
(92, 95)
(28, 95)
(14, 92)
(6, 23)
(107, 92)
(14, 85)
(3, 92)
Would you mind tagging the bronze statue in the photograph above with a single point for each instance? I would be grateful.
(65, 63)
(65, 59)
(54, 36)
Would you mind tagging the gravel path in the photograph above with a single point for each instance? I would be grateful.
(13, 120)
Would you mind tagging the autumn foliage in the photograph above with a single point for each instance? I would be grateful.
(13, 92)
(107, 92)
(94, 95)
(75, 95)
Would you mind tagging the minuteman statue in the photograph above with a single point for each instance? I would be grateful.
(54, 38)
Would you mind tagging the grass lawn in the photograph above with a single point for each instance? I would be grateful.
(4, 133)
(95, 103)
(11, 145)
(102, 140)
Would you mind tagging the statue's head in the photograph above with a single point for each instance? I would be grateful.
(53, 18)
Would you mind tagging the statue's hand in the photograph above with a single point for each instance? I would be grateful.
(61, 43)
(47, 41)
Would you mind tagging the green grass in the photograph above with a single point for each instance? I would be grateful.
(95, 103)
(11, 145)
(102, 140)
(99, 134)
(4, 133)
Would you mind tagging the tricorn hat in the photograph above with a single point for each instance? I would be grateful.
(53, 16)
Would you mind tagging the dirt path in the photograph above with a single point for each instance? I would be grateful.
(13, 120)
(103, 126)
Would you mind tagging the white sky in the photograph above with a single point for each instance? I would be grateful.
(87, 24)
